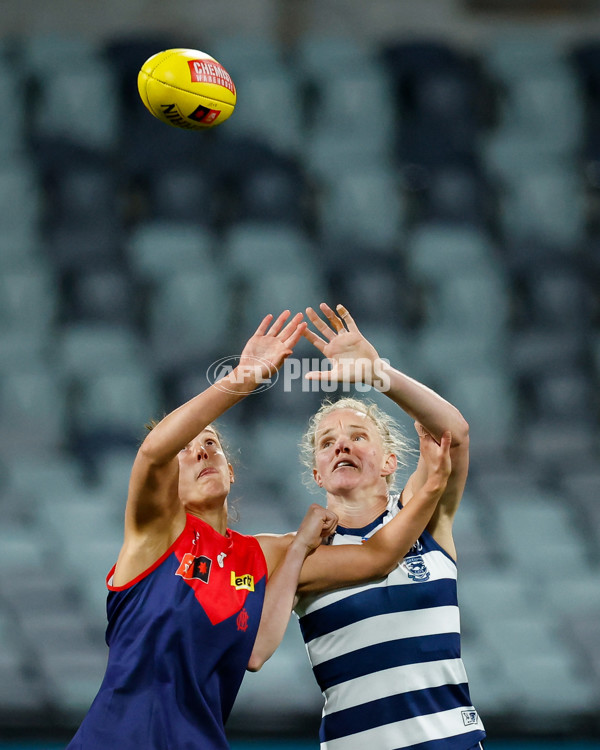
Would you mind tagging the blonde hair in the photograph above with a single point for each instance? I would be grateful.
(392, 436)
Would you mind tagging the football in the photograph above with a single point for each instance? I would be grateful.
(187, 89)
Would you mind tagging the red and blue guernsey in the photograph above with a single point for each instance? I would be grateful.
(180, 636)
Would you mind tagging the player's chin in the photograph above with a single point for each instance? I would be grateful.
(344, 482)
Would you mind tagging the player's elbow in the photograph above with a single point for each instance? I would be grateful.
(380, 566)
(256, 662)
(460, 433)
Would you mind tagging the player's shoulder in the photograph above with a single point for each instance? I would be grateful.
(275, 541)
(274, 547)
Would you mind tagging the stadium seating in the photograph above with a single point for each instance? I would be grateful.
(446, 195)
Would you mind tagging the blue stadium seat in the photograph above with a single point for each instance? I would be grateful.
(521, 50)
(183, 194)
(269, 107)
(274, 291)
(357, 99)
(274, 192)
(66, 99)
(318, 55)
(487, 398)
(547, 204)
(328, 155)
(161, 248)
(253, 247)
(33, 411)
(238, 52)
(83, 194)
(189, 313)
(120, 401)
(366, 206)
(457, 193)
(12, 89)
(40, 53)
(94, 348)
(436, 251)
(21, 195)
(104, 296)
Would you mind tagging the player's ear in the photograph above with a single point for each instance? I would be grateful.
(231, 473)
(317, 478)
(390, 465)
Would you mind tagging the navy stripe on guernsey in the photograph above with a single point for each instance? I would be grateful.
(391, 709)
(377, 601)
(386, 656)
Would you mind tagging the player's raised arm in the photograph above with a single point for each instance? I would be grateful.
(355, 359)
(155, 513)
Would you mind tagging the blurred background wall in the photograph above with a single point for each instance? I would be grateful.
(433, 164)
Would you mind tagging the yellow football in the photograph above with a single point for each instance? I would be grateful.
(187, 88)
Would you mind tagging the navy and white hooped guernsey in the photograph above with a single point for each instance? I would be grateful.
(387, 654)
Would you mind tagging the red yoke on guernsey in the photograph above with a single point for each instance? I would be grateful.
(180, 636)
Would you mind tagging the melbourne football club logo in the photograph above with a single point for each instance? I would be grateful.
(242, 620)
(195, 567)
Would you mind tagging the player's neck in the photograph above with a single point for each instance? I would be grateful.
(355, 511)
(215, 517)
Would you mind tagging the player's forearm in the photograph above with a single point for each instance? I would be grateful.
(182, 425)
(423, 404)
(278, 605)
(395, 539)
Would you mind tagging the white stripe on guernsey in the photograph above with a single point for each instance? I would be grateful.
(383, 628)
(406, 733)
(394, 681)
(437, 564)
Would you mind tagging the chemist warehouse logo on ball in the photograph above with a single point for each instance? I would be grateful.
(353, 375)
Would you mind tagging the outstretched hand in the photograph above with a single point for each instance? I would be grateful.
(352, 357)
(272, 342)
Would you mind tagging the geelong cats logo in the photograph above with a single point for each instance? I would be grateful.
(415, 565)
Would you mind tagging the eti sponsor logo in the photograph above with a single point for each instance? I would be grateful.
(197, 568)
(242, 582)
(469, 717)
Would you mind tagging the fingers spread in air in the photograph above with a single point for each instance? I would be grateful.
(314, 339)
(319, 324)
(293, 337)
(264, 326)
(278, 324)
(346, 317)
(332, 317)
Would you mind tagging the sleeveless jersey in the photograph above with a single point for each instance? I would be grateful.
(387, 657)
(180, 636)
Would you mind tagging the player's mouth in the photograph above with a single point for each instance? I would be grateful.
(344, 463)
(207, 470)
